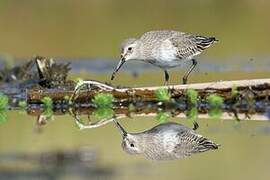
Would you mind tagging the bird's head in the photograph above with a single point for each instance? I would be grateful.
(130, 143)
(128, 52)
(128, 47)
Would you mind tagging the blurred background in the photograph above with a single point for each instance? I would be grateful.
(88, 34)
(95, 28)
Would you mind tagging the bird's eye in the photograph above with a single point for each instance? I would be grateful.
(131, 145)
(129, 48)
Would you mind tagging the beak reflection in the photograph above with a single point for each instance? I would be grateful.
(120, 128)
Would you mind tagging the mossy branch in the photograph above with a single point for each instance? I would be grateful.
(234, 93)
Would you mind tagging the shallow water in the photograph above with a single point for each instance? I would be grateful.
(102, 65)
(243, 153)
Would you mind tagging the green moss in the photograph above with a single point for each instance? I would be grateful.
(103, 100)
(162, 116)
(3, 108)
(215, 103)
(215, 100)
(234, 91)
(103, 113)
(215, 113)
(192, 114)
(47, 102)
(48, 105)
(104, 104)
(22, 104)
(3, 116)
(192, 96)
(48, 113)
(3, 102)
(162, 94)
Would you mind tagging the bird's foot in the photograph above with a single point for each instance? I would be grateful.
(184, 81)
(166, 83)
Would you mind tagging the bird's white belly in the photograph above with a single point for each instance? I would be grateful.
(165, 57)
(168, 63)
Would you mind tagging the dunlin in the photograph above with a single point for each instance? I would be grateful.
(165, 49)
(165, 141)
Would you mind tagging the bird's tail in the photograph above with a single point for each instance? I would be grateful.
(205, 42)
(205, 144)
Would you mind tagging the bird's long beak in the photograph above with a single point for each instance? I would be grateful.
(121, 62)
(120, 128)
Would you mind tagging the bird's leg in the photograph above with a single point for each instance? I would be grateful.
(166, 77)
(195, 125)
(185, 77)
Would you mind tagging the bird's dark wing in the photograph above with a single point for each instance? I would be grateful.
(190, 45)
(189, 143)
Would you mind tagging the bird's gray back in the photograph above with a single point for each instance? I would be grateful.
(185, 46)
(154, 39)
(151, 43)
(158, 36)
